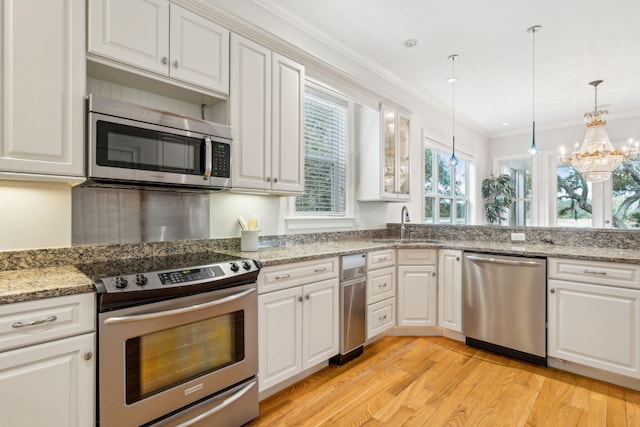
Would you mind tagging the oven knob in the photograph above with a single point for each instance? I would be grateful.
(141, 279)
(121, 282)
(234, 267)
(246, 265)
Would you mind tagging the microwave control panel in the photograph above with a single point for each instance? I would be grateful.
(221, 167)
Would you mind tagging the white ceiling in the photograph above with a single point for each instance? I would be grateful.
(580, 41)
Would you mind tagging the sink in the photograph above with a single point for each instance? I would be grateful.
(407, 241)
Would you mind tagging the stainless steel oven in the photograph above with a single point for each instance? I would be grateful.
(178, 346)
(132, 144)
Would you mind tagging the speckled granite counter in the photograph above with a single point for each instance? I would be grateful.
(37, 283)
(30, 275)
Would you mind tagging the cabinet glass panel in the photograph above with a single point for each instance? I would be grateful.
(403, 155)
(389, 136)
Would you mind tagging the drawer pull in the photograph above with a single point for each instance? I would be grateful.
(382, 258)
(35, 322)
(320, 270)
(384, 285)
(601, 273)
(382, 318)
(283, 276)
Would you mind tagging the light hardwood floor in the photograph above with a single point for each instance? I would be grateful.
(435, 381)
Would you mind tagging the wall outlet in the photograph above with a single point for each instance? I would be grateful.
(517, 237)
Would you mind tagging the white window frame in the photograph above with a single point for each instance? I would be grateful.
(300, 221)
(438, 147)
(535, 207)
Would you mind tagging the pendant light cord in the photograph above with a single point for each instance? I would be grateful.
(533, 150)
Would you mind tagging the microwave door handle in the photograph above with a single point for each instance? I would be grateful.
(208, 154)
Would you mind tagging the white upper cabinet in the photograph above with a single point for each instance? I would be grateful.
(43, 87)
(163, 38)
(383, 154)
(267, 110)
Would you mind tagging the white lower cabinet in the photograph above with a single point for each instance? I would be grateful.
(594, 325)
(381, 292)
(417, 295)
(417, 287)
(298, 329)
(47, 362)
(450, 289)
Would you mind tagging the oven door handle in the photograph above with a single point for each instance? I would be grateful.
(176, 311)
(220, 407)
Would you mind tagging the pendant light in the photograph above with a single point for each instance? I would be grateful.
(533, 150)
(453, 161)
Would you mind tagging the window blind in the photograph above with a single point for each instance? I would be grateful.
(325, 172)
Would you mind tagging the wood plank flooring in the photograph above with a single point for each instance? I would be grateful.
(435, 381)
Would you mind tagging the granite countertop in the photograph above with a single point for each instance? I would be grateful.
(37, 283)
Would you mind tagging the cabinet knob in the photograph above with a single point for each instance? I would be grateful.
(275, 179)
(308, 297)
(268, 179)
(552, 290)
(165, 60)
(300, 299)
(176, 64)
(457, 258)
(88, 356)
(433, 274)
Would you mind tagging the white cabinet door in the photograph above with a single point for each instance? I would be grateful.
(279, 336)
(417, 295)
(594, 325)
(43, 87)
(287, 161)
(250, 107)
(199, 50)
(320, 322)
(135, 32)
(450, 289)
(50, 384)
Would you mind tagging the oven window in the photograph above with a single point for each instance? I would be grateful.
(164, 359)
(122, 146)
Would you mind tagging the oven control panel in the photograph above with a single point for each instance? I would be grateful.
(227, 271)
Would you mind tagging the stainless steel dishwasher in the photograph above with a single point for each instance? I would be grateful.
(505, 305)
(352, 307)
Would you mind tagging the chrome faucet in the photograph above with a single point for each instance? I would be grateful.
(404, 217)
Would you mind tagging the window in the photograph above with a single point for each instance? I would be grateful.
(445, 189)
(325, 157)
(520, 172)
(578, 201)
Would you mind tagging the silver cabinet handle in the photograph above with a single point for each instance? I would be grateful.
(176, 64)
(381, 318)
(601, 273)
(223, 405)
(207, 157)
(552, 290)
(283, 276)
(320, 270)
(35, 322)
(383, 258)
(384, 285)
(165, 61)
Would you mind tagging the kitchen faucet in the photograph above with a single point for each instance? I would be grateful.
(404, 217)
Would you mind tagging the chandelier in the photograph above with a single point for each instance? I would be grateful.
(597, 157)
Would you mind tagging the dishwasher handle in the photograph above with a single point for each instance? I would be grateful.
(503, 261)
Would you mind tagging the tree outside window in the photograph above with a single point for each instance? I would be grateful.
(445, 189)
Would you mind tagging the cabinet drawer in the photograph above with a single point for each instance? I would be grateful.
(417, 256)
(32, 322)
(383, 258)
(295, 274)
(381, 284)
(380, 317)
(600, 273)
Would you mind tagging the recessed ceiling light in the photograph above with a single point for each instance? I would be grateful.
(505, 124)
(451, 79)
(410, 43)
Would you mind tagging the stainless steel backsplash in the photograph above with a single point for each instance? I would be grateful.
(104, 215)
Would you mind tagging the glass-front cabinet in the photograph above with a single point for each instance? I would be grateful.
(384, 154)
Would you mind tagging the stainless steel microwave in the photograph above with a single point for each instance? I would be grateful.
(134, 145)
